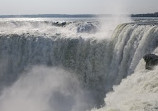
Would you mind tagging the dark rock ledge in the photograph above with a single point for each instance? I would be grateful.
(151, 61)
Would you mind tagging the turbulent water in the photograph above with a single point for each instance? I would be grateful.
(48, 65)
(138, 92)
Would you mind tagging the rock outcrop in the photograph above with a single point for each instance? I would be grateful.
(151, 60)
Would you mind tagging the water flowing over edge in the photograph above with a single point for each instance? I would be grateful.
(95, 62)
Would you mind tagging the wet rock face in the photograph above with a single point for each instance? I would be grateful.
(151, 60)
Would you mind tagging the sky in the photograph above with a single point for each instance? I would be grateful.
(12, 7)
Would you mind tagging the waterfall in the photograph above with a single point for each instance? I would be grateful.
(86, 57)
(130, 43)
(138, 91)
(98, 64)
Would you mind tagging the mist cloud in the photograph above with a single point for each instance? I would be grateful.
(44, 89)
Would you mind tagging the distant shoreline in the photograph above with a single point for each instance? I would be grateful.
(145, 15)
(77, 15)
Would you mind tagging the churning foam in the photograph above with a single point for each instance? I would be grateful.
(138, 92)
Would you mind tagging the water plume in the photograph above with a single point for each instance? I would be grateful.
(44, 89)
(117, 13)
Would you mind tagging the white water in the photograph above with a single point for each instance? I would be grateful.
(97, 63)
(44, 27)
(138, 92)
(81, 53)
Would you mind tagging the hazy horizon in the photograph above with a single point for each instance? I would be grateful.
(72, 14)
(21, 7)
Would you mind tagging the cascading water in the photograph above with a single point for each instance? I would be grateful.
(130, 43)
(137, 92)
(98, 64)
(84, 57)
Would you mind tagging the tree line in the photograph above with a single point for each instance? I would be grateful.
(145, 15)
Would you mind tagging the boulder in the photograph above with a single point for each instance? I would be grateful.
(151, 60)
(59, 24)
